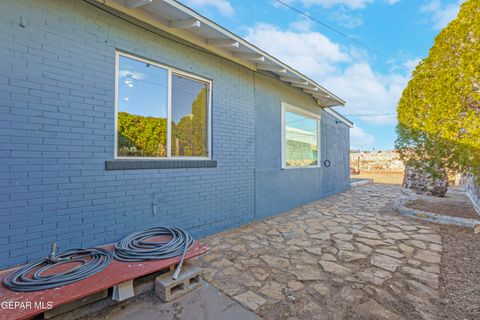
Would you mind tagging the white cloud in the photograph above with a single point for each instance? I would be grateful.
(411, 64)
(280, 5)
(441, 14)
(360, 139)
(303, 25)
(340, 9)
(344, 19)
(308, 51)
(223, 6)
(344, 71)
(352, 4)
(368, 92)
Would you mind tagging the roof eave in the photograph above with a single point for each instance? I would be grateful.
(339, 117)
(237, 49)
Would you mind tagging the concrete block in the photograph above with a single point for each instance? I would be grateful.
(168, 289)
(123, 291)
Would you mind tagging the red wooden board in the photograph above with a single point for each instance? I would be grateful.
(30, 304)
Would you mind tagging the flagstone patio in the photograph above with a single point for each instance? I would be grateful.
(349, 256)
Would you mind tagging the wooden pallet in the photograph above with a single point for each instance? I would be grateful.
(24, 305)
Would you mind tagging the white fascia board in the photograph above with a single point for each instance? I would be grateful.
(249, 56)
(149, 18)
(245, 43)
(185, 24)
(294, 80)
(145, 14)
(338, 116)
(228, 43)
(304, 86)
(137, 3)
(272, 68)
(313, 91)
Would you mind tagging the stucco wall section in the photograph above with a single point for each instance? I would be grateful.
(277, 189)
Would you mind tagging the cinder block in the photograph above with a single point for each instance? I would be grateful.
(168, 289)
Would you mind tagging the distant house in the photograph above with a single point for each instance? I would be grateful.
(117, 115)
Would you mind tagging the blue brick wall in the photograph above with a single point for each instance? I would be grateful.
(57, 130)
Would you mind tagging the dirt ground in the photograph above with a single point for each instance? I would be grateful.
(460, 274)
(387, 177)
(453, 204)
(460, 264)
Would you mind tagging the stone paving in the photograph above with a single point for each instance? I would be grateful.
(348, 256)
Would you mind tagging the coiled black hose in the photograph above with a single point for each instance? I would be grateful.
(135, 247)
(32, 276)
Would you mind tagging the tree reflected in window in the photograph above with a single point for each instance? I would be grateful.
(142, 109)
(189, 117)
(143, 112)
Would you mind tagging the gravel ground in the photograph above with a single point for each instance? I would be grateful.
(460, 264)
(454, 204)
(460, 274)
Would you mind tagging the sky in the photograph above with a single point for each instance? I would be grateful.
(398, 34)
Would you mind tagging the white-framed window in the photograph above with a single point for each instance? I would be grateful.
(300, 138)
(160, 112)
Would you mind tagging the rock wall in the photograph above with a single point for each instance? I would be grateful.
(422, 182)
(473, 191)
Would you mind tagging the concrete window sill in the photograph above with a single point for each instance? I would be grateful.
(136, 164)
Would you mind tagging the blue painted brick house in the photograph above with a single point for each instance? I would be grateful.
(117, 115)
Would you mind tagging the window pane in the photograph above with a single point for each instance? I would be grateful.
(189, 117)
(301, 139)
(142, 109)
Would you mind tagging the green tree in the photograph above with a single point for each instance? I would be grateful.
(439, 111)
(141, 136)
(189, 135)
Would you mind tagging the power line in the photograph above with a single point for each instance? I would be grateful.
(370, 115)
(329, 27)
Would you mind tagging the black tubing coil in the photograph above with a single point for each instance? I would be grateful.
(136, 247)
(35, 276)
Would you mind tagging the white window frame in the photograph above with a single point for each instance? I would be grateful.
(305, 113)
(170, 72)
